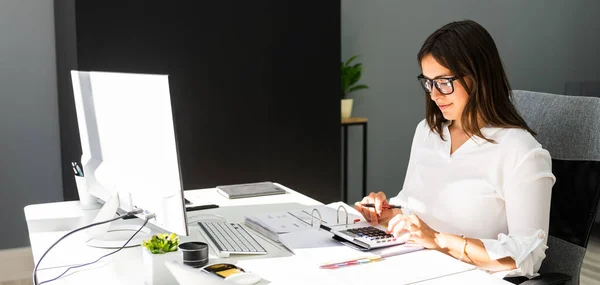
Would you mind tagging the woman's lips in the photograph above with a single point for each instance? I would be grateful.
(442, 107)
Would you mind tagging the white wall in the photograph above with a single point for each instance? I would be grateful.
(543, 43)
(29, 145)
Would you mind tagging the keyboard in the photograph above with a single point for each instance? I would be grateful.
(368, 237)
(230, 238)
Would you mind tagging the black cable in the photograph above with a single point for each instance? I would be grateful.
(108, 254)
(63, 237)
(35, 281)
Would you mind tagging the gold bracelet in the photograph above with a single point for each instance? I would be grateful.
(464, 251)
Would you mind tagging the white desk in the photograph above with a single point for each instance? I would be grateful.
(471, 277)
(48, 222)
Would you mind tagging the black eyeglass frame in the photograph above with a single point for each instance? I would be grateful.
(433, 82)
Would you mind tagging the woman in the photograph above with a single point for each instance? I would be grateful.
(478, 184)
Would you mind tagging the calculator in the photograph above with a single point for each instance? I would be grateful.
(367, 238)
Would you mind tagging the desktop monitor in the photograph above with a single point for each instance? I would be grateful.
(129, 149)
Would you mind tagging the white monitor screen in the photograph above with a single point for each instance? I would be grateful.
(129, 144)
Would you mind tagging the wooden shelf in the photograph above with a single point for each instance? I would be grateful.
(354, 120)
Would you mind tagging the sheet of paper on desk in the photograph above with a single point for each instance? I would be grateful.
(287, 271)
(402, 269)
(397, 250)
(309, 239)
(319, 247)
(280, 222)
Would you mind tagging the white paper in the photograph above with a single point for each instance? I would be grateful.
(280, 222)
(402, 269)
(286, 271)
(309, 239)
(319, 245)
(397, 249)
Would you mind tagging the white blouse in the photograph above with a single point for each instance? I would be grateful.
(496, 192)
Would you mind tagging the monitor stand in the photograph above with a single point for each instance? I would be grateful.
(113, 235)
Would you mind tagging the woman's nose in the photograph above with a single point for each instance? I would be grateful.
(435, 94)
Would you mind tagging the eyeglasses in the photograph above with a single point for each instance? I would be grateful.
(444, 85)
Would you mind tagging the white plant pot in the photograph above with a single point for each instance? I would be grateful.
(347, 108)
(155, 270)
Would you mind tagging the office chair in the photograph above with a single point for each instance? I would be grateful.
(587, 88)
(569, 128)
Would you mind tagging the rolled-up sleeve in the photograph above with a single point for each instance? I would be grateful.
(527, 194)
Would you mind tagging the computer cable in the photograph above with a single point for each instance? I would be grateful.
(108, 254)
(129, 214)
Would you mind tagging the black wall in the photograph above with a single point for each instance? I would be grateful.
(254, 84)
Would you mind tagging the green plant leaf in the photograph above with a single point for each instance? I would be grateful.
(355, 74)
(351, 59)
(351, 74)
(162, 243)
(358, 87)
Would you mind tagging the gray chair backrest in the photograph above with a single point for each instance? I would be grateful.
(569, 128)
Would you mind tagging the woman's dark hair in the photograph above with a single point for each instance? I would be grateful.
(469, 52)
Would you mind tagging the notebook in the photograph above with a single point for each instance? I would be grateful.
(249, 190)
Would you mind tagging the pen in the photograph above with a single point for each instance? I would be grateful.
(77, 169)
(352, 262)
(386, 206)
(74, 170)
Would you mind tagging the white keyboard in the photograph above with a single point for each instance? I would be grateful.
(230, 238)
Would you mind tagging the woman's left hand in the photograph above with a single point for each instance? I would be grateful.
(420, 232)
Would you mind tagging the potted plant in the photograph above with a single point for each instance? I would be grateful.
(156, 251)
(350, 76)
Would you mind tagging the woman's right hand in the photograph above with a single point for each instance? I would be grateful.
(376, 214)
